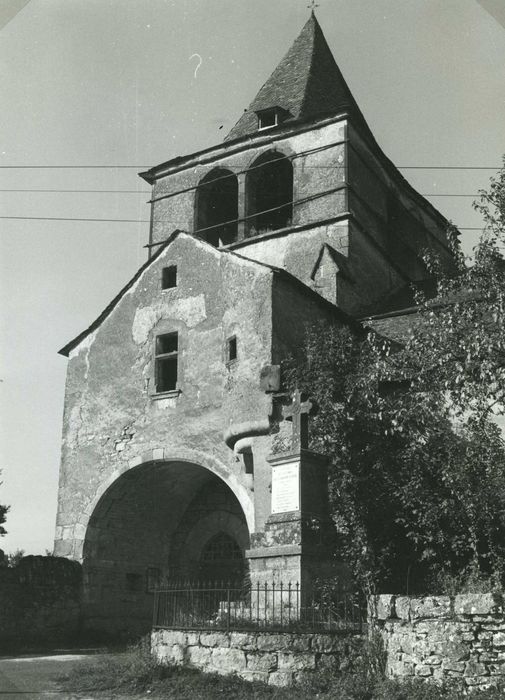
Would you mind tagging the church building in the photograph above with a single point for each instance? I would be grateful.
(173, 395)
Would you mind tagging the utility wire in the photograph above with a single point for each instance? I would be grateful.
(99, 167)
(212, 182)
(174, 223)
(80, 191)
(292, 202)
(246, 170)
(68, 167)
(425, 194)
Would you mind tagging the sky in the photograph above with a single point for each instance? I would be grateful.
(116, 84)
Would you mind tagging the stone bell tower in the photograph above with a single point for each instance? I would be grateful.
(170, 458)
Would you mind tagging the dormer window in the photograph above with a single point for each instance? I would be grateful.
(268, 118)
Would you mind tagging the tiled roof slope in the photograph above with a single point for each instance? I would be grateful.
(307, 83)
(396, 327)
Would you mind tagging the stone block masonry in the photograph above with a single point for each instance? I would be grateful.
(444, 637)
(273, 658)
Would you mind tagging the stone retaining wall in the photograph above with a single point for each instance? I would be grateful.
(274, 658)
(438, 637)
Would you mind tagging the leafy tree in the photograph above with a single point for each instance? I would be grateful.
(417, 476)
(13, 558)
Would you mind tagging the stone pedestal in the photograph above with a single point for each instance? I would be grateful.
(295, 546)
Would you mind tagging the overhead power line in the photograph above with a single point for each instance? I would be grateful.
(147, 167)
(292, 202)
(179, 223)
(81, 191)
(70, 218)
(423, 194)
(174, 223)
(248, 168)
(70, 167)
(212, 181)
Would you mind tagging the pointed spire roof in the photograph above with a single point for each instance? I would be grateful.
(307, 83)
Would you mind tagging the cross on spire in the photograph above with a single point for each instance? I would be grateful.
(298, 412)
(312, 5)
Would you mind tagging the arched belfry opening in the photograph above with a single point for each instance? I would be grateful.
(217, 207)
(269, 193)
(160, 521)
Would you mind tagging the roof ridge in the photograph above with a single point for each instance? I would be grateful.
(306, 83)
(315, 24)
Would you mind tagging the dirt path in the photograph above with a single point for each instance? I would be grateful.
(33, 677)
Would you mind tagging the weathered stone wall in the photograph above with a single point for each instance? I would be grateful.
(372, 274)
(402, 222)
(363, 198)
(439, 637)
(40, 602)
(274, 658)
(133, 460)
(114, 421)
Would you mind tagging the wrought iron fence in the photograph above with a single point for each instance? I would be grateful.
(262, 606)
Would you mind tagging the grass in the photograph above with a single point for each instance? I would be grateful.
(136, 674)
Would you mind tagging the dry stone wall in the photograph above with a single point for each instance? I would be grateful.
(442, 637)
(274, 658)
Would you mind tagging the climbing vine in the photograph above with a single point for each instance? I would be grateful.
(412, 425)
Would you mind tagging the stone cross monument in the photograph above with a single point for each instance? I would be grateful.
(298, 412)
(294, 546)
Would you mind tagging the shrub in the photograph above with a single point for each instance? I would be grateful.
(470, 580)
(134, 670)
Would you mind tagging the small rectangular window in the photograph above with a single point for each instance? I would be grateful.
(169, 277)
(165, 360)
(231, 353)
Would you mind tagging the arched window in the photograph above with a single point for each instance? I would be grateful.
(269, 193)
(217, 207)
(222, 559)
(221, 547)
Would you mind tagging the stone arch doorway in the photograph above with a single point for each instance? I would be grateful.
(153, 523)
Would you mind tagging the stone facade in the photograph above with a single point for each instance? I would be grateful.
(135, 460)
(273, 658)
(444, 637)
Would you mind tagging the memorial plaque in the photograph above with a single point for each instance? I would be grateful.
(286, 487)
